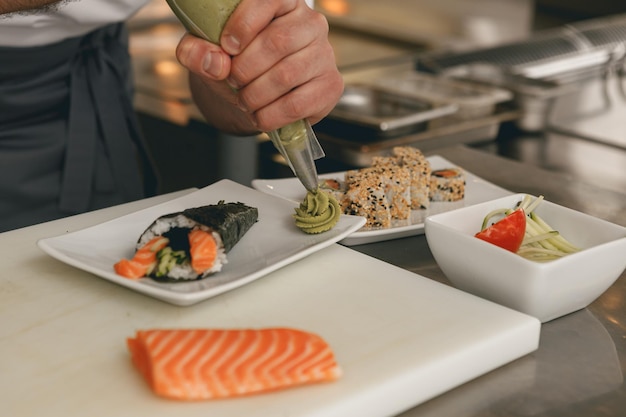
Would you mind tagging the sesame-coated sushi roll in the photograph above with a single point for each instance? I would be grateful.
(369, 202)
(447, 184)
(385, 161)
(395, 181)
(416, 162)
(334, 187)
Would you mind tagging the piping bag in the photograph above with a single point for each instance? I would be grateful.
(296, 142)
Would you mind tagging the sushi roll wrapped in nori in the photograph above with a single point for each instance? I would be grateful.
(190, 244)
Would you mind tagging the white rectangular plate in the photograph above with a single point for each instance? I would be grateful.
(477, 191)
(273, 242)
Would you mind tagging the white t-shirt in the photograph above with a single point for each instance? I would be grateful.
(66, 20)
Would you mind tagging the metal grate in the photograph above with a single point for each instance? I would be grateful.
(506, 55)
(603, 32)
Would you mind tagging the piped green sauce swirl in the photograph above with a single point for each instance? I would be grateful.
(318, 212)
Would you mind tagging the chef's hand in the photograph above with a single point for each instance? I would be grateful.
(278, 58)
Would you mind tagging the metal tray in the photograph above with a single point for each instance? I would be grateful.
(473, 99)
(352, 150)
(372, 112)
(535, 96)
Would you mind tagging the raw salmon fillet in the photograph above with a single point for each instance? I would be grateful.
(199, 364)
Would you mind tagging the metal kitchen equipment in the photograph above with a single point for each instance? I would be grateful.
(370, 113)
(472, 99)
(479, 111)
(545, 67)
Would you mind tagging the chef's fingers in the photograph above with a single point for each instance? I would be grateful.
(299, 86)
(285, 36)
(203, 58)
(312, 101)
(250, 18)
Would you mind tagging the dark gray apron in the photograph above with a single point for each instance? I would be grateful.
(69, 139)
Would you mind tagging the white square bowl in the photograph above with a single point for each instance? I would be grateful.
(546, 290)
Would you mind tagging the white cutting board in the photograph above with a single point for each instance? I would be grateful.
(400, 338)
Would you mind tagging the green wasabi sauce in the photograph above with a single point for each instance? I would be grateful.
(292, 134)
(318, 212)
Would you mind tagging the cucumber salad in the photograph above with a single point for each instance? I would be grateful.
(522, 231)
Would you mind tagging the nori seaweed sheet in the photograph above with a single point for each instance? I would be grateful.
(230, 220)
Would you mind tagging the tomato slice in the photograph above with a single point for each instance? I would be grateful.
(507, 233)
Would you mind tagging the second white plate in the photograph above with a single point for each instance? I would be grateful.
(477, 191)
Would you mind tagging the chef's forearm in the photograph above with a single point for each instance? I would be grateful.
(8, 6)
